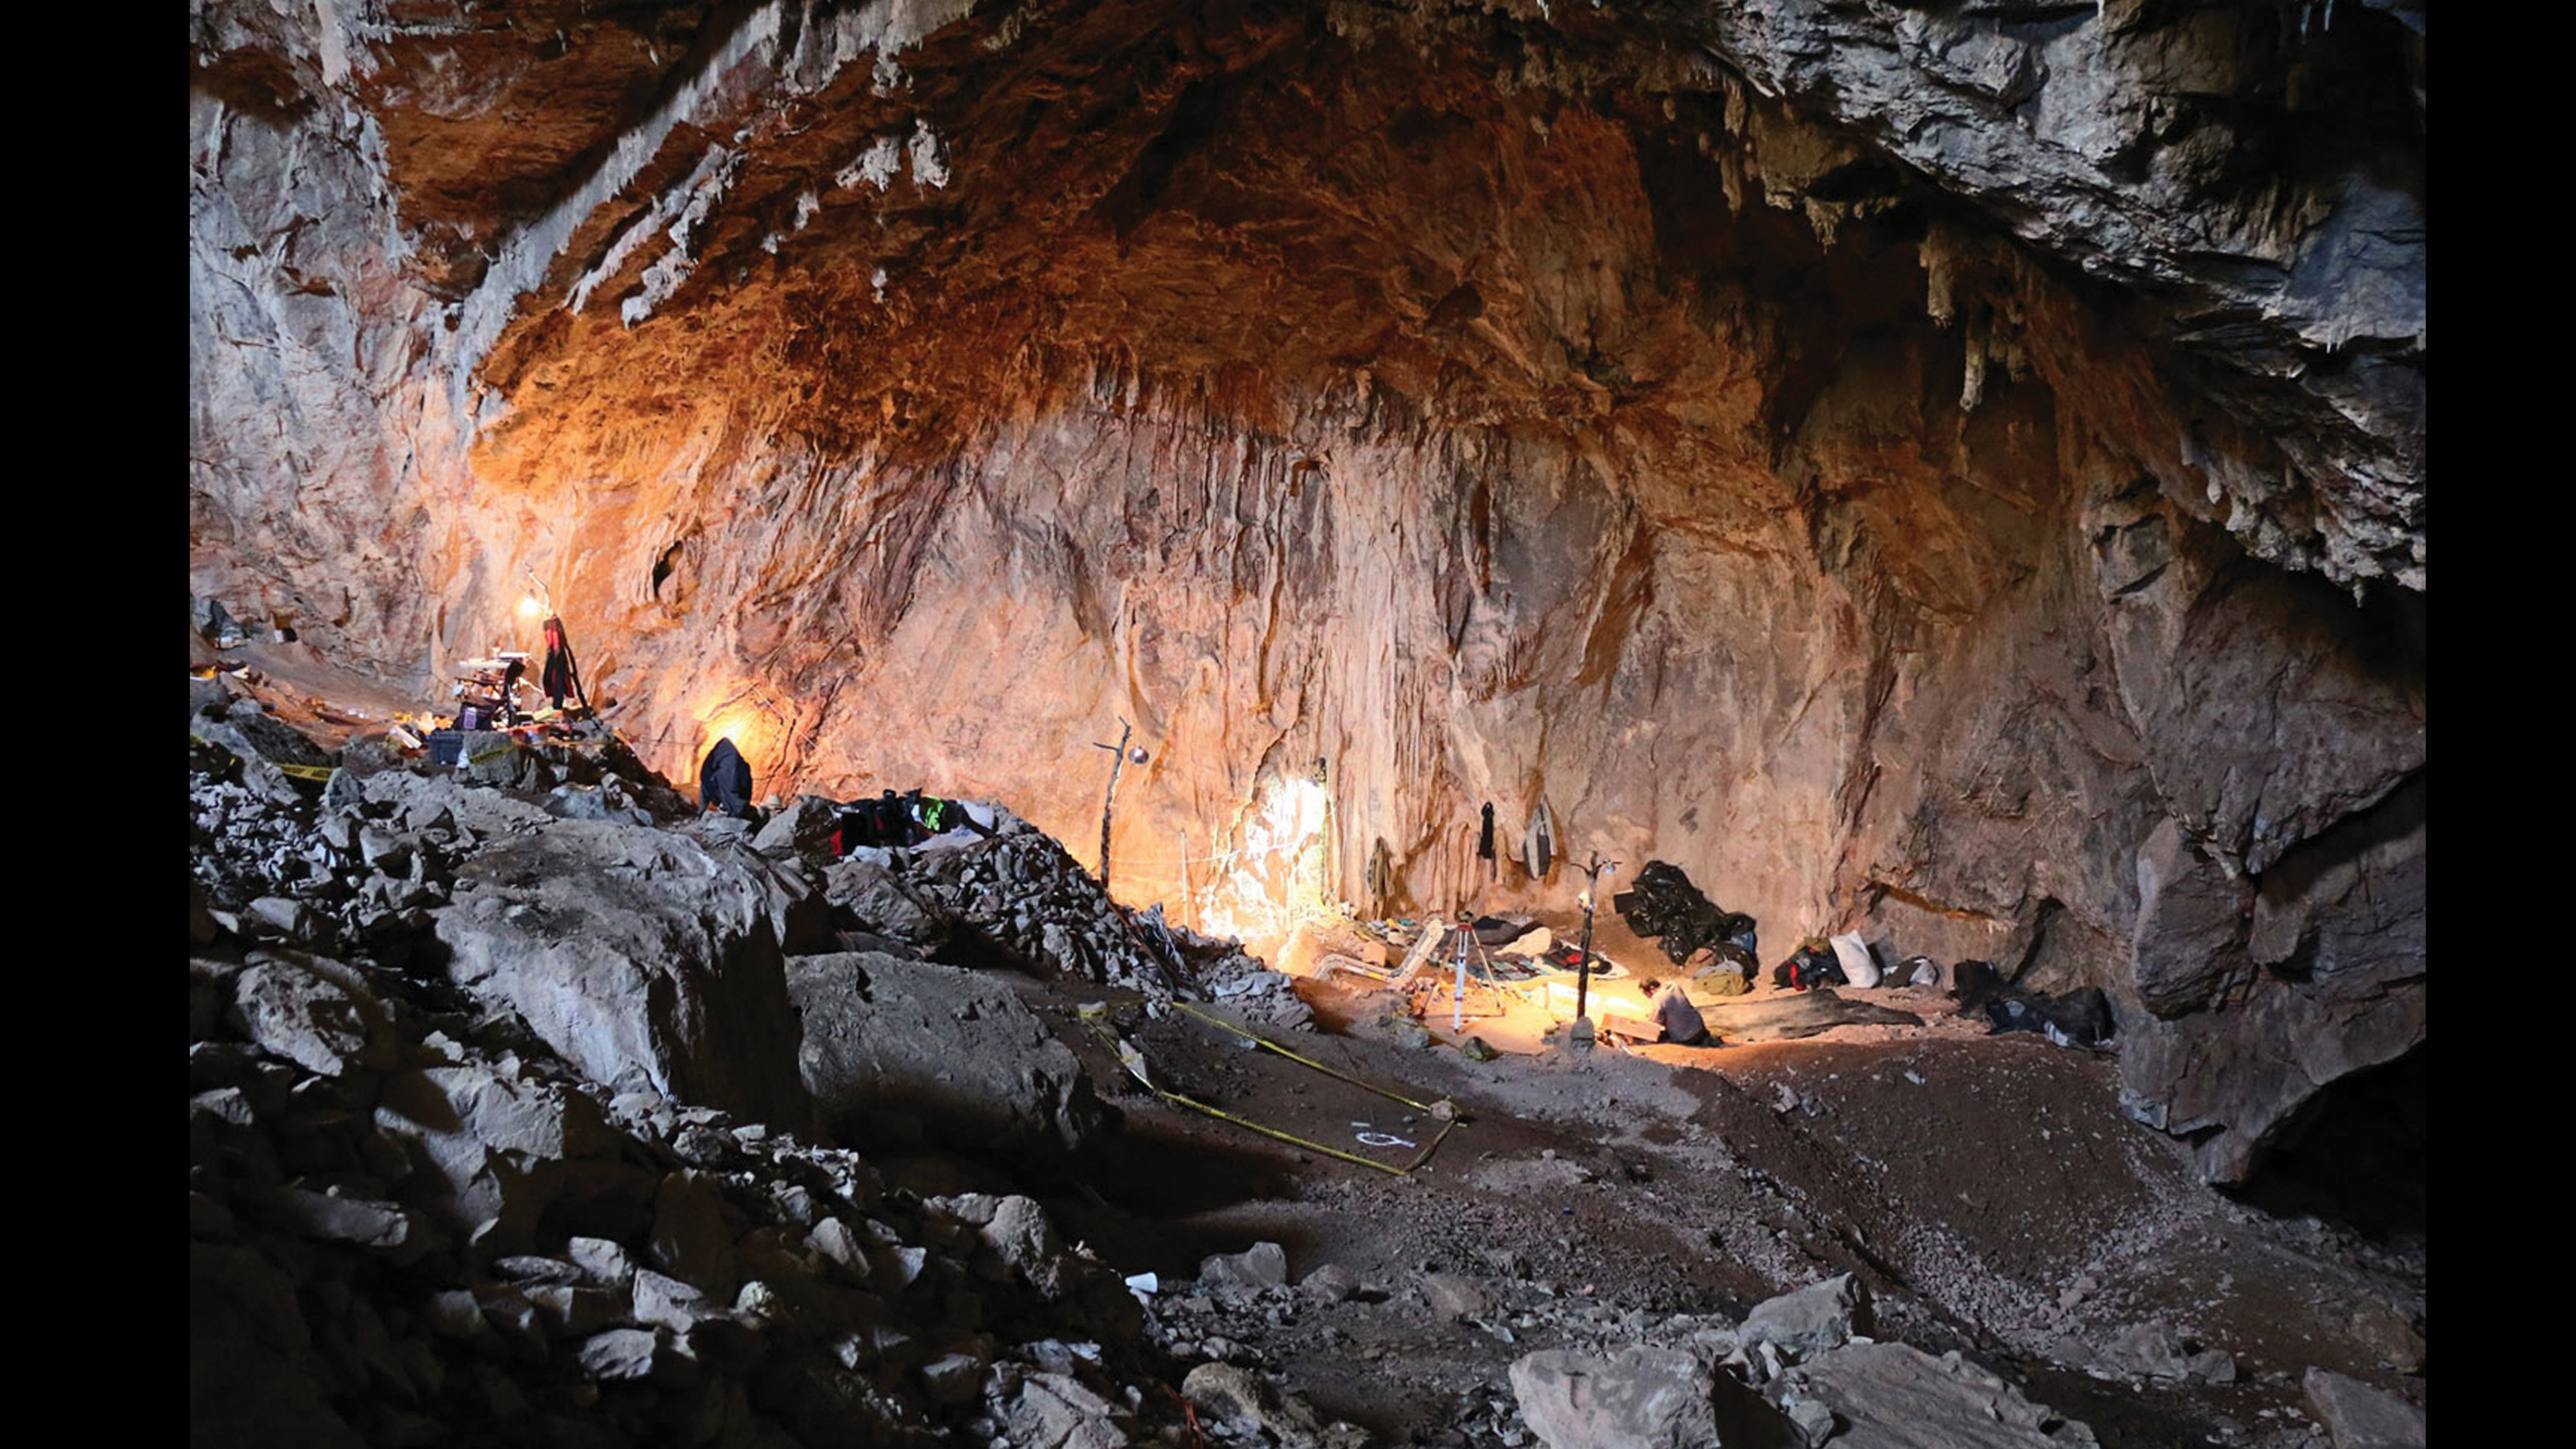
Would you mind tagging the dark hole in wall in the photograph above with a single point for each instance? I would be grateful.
(663, 566)
(2353, 1156)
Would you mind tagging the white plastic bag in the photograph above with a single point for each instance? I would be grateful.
(1859, 968)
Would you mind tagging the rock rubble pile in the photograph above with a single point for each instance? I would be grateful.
(501, 1130)
(411, 1224)
(1019, 896)
(1798, 1370)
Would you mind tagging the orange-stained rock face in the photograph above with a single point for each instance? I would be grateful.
(1989, 516)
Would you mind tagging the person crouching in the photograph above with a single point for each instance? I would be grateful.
(1670, 1009)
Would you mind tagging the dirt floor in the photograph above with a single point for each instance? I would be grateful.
(1987, 1189)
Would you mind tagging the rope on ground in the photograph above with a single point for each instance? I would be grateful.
(1442, 1109)
(1433, 1145)
(1134, 1061)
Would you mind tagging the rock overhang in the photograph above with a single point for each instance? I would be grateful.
(1904, 456)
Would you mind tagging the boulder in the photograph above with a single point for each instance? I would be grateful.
(621, 1354)
(372, 754)
(1021, 1237)
(1815, 1318)
(1331, 1283)
(251, 733)
(646, 959)
(492, 1153)
(2390, 1333)
(295, 1011)
(952, 1378)
(208, 698)
(954, 1047)
(594, 802)
(1263, 1265)
(432, 800)
(381, 1227)
(2150, 1349)
(2358, 1416)
(202, 928)
(1040, 1410)
(1640, 1398)
(1251, 1406)
(1452, 1297)
(660, 1299)
(492, 758)
(1894, 1396)
(885, 903)
(603, 1262)
(801, 831)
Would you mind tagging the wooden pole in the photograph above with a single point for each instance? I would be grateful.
(1110, 800)
(1583, 969)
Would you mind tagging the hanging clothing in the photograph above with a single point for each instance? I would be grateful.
(557, 680)
(560, 678)
(1538, 851)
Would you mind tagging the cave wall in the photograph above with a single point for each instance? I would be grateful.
(1858, 467)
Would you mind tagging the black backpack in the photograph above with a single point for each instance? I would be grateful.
(858, 826)
(1808, 970)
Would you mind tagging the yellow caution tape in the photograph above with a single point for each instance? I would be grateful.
(1442, 1108)
(1134, 1061)
(1285, 1136)
(301, 772)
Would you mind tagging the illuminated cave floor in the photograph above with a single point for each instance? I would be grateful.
(1988, 1191)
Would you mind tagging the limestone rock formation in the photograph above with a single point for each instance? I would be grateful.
(646, 959)
(1956, 471)
(1896, 1396)
(950, 1048)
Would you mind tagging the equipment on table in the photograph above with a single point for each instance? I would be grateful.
(486, 691)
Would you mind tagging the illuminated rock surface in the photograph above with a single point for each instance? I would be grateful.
(1955, 473)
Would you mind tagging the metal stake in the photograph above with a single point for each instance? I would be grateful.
(1583, 970)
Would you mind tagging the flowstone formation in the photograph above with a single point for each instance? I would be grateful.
(1949, 471)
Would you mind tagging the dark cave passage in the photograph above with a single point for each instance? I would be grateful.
(2355, 1156)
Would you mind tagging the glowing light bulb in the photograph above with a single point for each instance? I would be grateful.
(529, 608)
